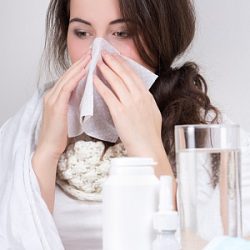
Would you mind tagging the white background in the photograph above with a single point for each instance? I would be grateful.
(221, 47)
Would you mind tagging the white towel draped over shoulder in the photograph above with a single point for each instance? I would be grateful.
(25, 221)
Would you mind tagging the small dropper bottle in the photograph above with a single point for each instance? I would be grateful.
(166, 219)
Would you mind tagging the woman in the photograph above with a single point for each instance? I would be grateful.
(154, 39)
(152, 33)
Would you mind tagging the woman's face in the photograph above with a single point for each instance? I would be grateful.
(98, 18)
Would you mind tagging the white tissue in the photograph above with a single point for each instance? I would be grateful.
(88, 112)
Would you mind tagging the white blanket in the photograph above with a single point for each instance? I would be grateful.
(25, 221)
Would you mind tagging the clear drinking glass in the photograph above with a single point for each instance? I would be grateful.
(208, 175)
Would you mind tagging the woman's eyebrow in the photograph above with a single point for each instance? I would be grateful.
(77, 19)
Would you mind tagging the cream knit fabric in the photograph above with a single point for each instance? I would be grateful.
(84, 166)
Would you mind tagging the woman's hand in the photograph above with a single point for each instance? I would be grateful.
(133, 109)
(54, 129)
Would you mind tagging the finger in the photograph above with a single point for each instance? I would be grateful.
(80, 70)
(74, 69)
(124, 70)
(53, 92)
(80, 63)
(107, 95)
(117, 85)
(63, 97)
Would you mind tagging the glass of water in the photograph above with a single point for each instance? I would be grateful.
(208, 176)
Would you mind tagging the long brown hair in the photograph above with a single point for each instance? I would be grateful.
(162, 31)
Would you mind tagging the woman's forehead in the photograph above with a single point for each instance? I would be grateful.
(103, 11)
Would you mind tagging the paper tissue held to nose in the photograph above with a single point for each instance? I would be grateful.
(88, 112)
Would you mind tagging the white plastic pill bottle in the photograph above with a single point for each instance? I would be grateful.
(130, 198)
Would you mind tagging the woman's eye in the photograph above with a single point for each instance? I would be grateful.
(81, 34)
(121, 34)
